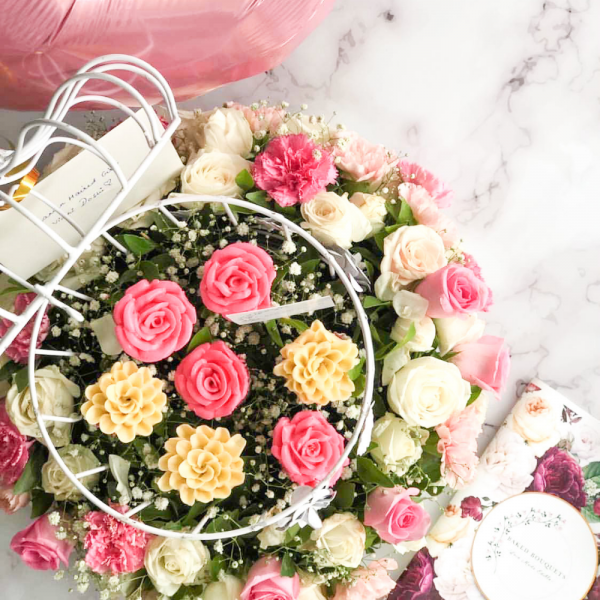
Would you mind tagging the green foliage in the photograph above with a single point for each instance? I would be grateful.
(370, 473)
(298, 325)
(32, 474)
(22, 378)
(355, 371)
(592, 470)
(288, 568)
(136, 244)
(150, 270)
(201, 337)
(273, 331)
(345, 494)
(244, 180)
(40, 502)
(8, 370)
(372, 302)
(475, 393)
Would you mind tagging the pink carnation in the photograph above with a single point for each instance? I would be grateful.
(14, 450)
(426, 212)
(11, 503)
(458, 443)
(264, 118)
(19, 349)
(112, 545)
(369, 583)
(361, 160)
(293, 169)
(414, 173)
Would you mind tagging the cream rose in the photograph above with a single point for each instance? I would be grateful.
(424, 333)
(448, 529)
(78, 459)
(228, 131)
(227, 588)
(398, 445)
(373, 207)
(172, 562)
(340, 541)
(427, 391)
(213, 173)
(393, 362)
(536, 419)
(334, 220)
(409, 254)
(456, 330)
(311, 591)
(55, 395)
(271, 536)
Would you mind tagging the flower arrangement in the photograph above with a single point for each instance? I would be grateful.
(192, 422)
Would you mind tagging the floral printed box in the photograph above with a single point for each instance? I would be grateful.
(547, 444)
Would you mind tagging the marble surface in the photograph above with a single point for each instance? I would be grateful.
(502, 100)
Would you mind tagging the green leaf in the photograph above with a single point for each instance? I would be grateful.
(150, 270)
(590, 515)
(475, 393)
(431, 446)
(291, 533)
(375, 333)
(369, 473)
(217, 564)
(405, 216)
(40, 503)
(379, 237)
(32, 474)
(127, 276)
(22, 378)
(202, 337)
(161, 222)
(193, 513)
(431, 465)
(371, 538)
(385, 350)
(591, 470)
(372, 302)
(355, 371)
(138, 245)
(162, 261)
(393, 210)
(219, 524)
(345, 493)
(410, 334)
(244, 180)
(355, 186)
(13, 290)
(273, 332)
(359, 386)
(288, 568)
(259, 198)
(310, 266)
(8, 370)
(299, 326)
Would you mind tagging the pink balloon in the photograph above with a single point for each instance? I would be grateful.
(198, 45)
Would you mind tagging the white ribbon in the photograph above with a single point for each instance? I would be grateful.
(308, 514)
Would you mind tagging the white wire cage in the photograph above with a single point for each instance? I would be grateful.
(306, 501)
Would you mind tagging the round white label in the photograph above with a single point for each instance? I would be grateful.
(534, 547)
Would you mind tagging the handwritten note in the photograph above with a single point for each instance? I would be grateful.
(81, 189)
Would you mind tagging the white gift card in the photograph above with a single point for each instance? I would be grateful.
(82, 189)
(534, 546)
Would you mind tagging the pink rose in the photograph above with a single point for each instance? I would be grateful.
(426, 212)
(19, 348)
(292, 169)
(414, 173)
(237, 279)
(14, 450)
(113, 546)
(213, 380)
(363, 161)
(485, 363)
(308, 448)
(453, 291)
(597, 507)
(38, 547)
(394, 516)
(458, 443)
(10, 503)
(153, 320)
(265, 582)
(265, 118)
(369, 583)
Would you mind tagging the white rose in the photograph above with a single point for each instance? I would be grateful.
(172, 562)
(393, 362)
(271, 536)
(334, 220)
(424, 333)
(398, 445)
(78, 459)
(55, 395)
(317, 130)
(227, 588)
(510, 464)
(455, 330)
(536, 419)
(84, 271)
(448, 529)
(213, 173)
(312, 592)
(454, 577)
(373, 207)
(340, 541)
(409, 253)
(228, 131)
(414, 546)
(409, 305)
(427, 391)
(586, 443)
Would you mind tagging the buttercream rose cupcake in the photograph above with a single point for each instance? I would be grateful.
(213, 380)
(153, 320)
(237, 279)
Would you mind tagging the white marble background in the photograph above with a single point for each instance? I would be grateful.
(501, 99)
